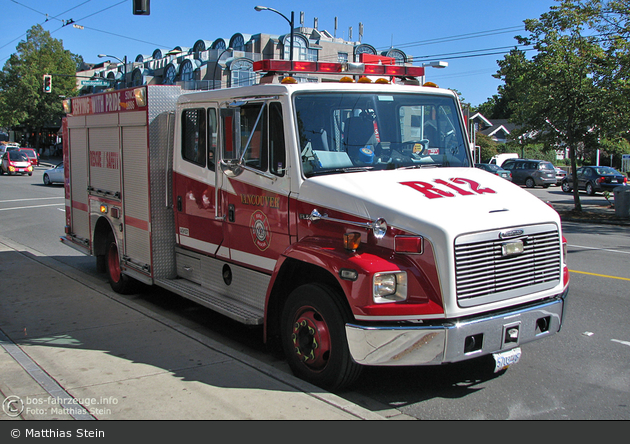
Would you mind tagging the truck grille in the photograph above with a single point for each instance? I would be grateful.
(484, 275)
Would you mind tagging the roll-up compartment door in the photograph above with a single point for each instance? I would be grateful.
(135, 174)
(104, 159)
(78, 184)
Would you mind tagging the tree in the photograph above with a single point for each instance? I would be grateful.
(22, 99)
(563, 93)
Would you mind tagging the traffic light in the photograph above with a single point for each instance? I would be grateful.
(141, 7)
(47, 83)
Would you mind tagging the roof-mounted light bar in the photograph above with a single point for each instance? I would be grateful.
(269, 65)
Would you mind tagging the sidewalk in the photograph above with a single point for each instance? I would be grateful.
(70, 348)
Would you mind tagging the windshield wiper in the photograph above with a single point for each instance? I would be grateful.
(340, 170)
(420, 165)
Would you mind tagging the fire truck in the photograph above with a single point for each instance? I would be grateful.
(345, 218)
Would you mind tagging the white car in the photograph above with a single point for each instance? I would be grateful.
(54, 175)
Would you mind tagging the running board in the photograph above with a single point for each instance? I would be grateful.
(236, 310)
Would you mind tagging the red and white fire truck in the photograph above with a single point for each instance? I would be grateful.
(345, 217)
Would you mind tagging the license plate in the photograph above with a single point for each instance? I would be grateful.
(504, 359)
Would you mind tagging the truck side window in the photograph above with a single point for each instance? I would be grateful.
(277, 154)
(194, 136)
(212, 138)
(254, 136)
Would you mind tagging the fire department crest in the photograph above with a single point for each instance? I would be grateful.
(261, 231)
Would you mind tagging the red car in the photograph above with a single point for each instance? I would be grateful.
(15, 162)
(31, 154)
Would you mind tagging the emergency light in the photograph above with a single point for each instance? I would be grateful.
(269, 65)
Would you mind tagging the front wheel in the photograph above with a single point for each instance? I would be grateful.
(529, 183)
(565, 187)
(47, 180)
(314, 338)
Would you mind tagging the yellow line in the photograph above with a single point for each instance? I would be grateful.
(600, 275)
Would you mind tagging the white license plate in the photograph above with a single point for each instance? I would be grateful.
(504, 359)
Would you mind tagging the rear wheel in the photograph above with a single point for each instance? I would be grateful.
(529, 183)
(117, 280)
(314, 338)
(590, 189)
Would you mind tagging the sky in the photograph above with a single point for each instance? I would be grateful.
(470, 36)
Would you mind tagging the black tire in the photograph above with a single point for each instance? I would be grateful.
(119, 282)
(529, 183)
(566, 187)
(314, 338)
(546, 185)
(590, 189)
(46, 179)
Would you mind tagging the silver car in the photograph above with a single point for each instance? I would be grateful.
(54, 175)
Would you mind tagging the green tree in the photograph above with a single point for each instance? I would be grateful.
(22, 99)
(487, 147)
(562, 95)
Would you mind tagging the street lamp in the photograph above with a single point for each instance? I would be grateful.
(435, 64)
(216, 66)
(124, 62)
(264, 8)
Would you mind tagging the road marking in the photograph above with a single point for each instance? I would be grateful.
(32, 206)
(600, 249)
(600, 275)
(621, 342)
(35, 198)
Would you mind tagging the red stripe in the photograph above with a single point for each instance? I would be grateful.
(137, 223)
(79, 206)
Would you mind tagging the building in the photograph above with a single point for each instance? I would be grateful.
(210, 64)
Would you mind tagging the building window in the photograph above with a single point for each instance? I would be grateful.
(187, 72)
(238, 42)
(137, 77)
(170, 73)
(300, 47)
(241, 73)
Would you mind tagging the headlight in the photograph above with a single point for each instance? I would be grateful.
(389, 286)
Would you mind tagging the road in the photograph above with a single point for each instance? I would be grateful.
(579, 374)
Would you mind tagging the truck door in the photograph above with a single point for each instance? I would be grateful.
(254, 186)
(198, 225)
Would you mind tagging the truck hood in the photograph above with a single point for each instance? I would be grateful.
(432, 202)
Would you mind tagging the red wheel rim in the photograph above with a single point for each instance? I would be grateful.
(311, 339)
(113, 264)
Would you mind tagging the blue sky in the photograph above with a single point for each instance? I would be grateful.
(451, 30)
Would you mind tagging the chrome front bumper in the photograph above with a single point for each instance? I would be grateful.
(454, 341)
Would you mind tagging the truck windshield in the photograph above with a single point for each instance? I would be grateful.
(345, 132)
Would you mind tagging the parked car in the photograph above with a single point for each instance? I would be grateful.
(31, 154)
(495, 169)
(6, 146)
(15, 162)
(560, 175)
(530, 172)
(595, 179)
(54, 175)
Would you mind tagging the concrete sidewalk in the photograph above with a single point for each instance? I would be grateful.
(70, 348)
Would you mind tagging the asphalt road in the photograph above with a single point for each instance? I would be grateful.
(579, 374)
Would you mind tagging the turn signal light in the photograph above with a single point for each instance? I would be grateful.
(352, 241)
